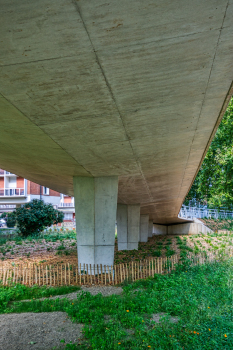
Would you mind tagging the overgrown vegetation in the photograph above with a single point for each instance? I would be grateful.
(214, 182)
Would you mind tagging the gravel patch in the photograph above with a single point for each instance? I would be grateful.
(157, 317)
(37, 331)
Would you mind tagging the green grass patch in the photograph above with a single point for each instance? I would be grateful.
(200, 296)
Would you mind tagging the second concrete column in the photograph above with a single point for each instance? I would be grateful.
(128, 226)
(144, 225)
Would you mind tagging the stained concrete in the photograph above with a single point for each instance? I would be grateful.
(134, 89)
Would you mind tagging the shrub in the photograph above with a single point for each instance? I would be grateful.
(11, 219)
(35, 216)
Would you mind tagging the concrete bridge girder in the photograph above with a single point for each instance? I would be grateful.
(130, 89)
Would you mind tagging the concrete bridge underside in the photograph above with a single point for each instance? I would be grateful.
(130, 89)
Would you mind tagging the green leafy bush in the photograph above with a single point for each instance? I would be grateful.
(35, 216)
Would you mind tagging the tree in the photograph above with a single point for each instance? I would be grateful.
(35, 216)
(214, 182)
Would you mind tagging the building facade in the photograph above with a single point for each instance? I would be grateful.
(15, 191)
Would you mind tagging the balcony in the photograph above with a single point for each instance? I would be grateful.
(1, 172)
(66, 204)
(8, 173)
(12, 192)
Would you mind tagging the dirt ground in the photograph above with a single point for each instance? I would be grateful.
(44, 252)
(37, 331)
(43, 331)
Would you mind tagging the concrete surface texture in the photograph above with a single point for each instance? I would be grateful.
(134, 89)
(95, 208)
(150, 228)
(190, 228)
(144, 228)
(128, 226)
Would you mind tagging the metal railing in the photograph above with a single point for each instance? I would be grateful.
(7, 206)
(12, 192)
(66, 204)
(196, 212)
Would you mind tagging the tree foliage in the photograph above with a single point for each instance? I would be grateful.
(214, 183)
(35, 216)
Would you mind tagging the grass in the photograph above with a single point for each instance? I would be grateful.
(201, 296)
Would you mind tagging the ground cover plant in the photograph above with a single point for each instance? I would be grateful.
(200, 296)
(60, 245)
(218, 224)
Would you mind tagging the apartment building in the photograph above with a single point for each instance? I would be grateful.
(15, 191)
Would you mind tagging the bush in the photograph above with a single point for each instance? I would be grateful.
(35, 216)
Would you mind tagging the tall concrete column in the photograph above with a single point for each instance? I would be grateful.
(150, 228)
(95, 211)
(144, 224)
(128, 226)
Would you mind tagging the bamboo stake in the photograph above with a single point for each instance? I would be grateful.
(50, 275)
(90, 275)
(95, 276)
(98, 274)
(39, 274)
(109, 277)
(101, 273)
(76, 275)
(57, 274)
(84, 273)
(87, 274)
(69, 272)
(3, 279)
(17, 278)
(121, 272)
(42, 268)
(65, 275)
(14, 275)
(80, 276)
(115, 275)
(46, 269)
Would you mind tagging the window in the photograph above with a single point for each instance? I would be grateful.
(68, 216)
(46, 191)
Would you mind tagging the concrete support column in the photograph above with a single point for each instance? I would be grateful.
(150, 228)
(128, 224)
(95, 211)
(144, 225)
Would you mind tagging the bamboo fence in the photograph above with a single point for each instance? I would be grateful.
(76, 274)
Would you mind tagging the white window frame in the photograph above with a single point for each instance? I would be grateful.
(45, 191)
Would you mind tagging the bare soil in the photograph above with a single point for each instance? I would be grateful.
(42, 252)
(37, 331)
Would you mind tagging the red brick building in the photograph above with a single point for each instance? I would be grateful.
(15, 191)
